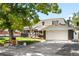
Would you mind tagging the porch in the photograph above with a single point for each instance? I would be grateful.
(39, 34)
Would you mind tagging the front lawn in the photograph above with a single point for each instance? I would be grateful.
(21, 40)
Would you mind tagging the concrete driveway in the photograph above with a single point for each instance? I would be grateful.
(47, 48)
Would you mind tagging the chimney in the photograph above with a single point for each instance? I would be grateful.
(68, 21)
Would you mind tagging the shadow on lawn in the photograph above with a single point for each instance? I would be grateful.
(66, 50)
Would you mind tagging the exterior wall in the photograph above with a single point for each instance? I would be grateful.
(49, 21)
(75, 35)
(58, 27)
(76, 32)
(57, 35)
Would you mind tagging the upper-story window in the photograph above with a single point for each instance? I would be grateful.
(43, 23)
(54, 22)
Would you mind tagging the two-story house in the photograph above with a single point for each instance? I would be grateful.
(54, 29)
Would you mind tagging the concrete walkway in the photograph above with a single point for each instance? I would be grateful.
(47, 48)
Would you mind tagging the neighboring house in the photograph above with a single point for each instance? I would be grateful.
(17, 33)
(25, 32)
(6, 33)
(54, 29)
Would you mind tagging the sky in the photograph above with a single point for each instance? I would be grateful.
(67, 10)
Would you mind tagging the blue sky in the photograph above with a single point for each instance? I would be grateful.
(67, 10)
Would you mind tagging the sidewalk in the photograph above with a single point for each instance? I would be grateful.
(68, 41)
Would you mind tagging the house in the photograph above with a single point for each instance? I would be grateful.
(6, 33)
(54, 29)
(25, 32)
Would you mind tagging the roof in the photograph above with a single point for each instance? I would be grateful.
(26, 28)
(40, 27)
(58, 27)
(48, 22)
(61, 20)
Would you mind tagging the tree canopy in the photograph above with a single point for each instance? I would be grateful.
(75, 19)
(17, 15)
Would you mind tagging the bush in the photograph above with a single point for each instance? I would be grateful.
(21, 40)
(2, 40)
(27, 42)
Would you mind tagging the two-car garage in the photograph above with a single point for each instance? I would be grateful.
(57, 35)
(59, 32)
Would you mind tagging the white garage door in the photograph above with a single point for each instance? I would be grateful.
(57, 35)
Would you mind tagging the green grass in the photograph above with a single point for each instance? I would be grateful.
(21, 40)
(27, 40)
(3, 40)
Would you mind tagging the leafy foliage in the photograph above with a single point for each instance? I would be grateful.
(17, 15)
(75, 19)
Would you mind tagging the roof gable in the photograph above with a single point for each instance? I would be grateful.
(48, 22)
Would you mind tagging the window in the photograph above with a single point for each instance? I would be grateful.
(43, 23)
(54, 22)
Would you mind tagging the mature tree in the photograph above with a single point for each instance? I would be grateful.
(75, 19)
(17, 15)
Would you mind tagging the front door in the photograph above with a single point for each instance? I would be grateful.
(44, 34)
(70, 34)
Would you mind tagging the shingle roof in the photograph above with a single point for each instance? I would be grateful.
(26, 28)
(48, 22)
(58, 27)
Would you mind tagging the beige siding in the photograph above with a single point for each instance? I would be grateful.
(58, 27)
(57, 35)
(48, 22)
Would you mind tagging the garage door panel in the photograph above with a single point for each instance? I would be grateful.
(57, 35)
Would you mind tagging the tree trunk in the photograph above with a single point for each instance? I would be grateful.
(30, 30)
(11, 34)
(12, 38)
(78, 37)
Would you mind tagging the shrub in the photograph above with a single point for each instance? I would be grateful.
(27, 42)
